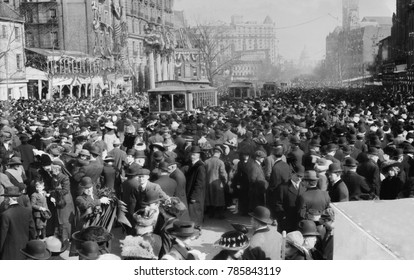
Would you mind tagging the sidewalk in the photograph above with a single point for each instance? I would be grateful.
(211, 231)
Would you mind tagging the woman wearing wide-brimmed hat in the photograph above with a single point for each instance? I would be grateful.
(392, 185)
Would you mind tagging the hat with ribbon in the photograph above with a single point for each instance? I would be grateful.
(234, 240)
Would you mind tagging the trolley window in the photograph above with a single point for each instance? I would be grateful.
(166, 102)
(245, 92)
(237, 93)
(153, 102)
(179, 102)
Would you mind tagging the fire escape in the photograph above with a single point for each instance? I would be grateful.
(42, 26)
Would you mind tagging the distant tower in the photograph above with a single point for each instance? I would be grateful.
(350, 14)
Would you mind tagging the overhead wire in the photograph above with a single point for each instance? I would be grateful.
(306, 22)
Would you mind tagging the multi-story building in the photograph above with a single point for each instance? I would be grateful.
(350, 14)
(352, 49)
(249, 44)
(13, 83)
(188, 59)
(151, 40)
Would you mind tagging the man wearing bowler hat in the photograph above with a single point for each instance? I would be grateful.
(266, 242)
(16, 226)
(312, 198)
(216, 180)
(178, 176)
(357, 186)
(88, 202)
(370, 171)
(195, 186)
(127, 187)
(257, 181)
(145, 187)
(286, 196)
(338, 191)
(167, 184)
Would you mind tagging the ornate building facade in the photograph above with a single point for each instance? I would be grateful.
(151, 41)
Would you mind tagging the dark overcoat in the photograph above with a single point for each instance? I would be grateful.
(16, 229)
(195, 190)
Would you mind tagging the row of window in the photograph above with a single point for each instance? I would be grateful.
(15, 32)
(19, 61)
(42, 17)
(47, 41)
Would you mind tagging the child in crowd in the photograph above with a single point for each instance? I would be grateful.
(41, 212)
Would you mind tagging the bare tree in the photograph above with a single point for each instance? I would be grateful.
(216, 49)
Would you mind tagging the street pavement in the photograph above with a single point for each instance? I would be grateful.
(211, 231)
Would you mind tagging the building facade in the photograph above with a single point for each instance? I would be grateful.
(13, 83)
(351, 50)
(151, 40)
(250, 44)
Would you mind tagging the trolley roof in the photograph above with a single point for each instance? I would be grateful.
(182, 85)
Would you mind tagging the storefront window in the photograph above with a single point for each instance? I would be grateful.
(153, 102)
(179, 102)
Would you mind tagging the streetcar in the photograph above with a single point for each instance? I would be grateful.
(242, 90)
(269, 89)
(181, 95)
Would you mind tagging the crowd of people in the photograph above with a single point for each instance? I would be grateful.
(282, 160)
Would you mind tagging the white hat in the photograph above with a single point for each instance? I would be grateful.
(110, 125)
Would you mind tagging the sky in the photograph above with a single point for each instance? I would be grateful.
(300, 23)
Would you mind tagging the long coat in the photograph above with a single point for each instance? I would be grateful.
(313, 198)
(280, 175)
(127, 188)
(265, 244)
(26, 152)
(241, 179)
(216, 179)
(66, 214)
(195, 190)
(16, 229)
(370, 171)
(356, 185)
(257, 185)
(286, 198)
(179, 177)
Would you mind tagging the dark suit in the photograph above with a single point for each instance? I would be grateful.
(257, 185)
(167, 184)
(313, 198)
(16, 229)
(139, 195)
(370, 171)
(179, 177)
(338, 192)
(286, 200)
(356, 185)
(119, 157)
